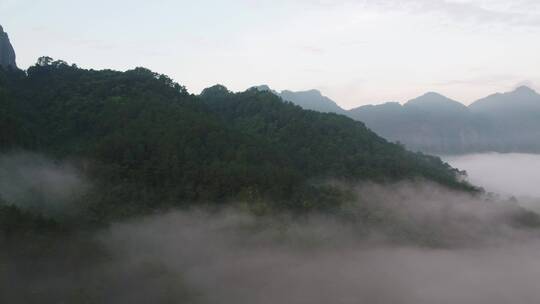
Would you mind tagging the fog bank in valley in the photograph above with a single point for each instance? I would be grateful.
(34, 182)
(408, 242)
(219, 266)
(400, 243)
(510, 174)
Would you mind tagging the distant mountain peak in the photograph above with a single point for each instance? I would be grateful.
(524, 90)
(435, 101)
(520, 99)
(308, 99)
(434, 95)
(314, 91)
(307, 93)
(7, 53)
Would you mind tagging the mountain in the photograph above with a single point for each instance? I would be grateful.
(7, 53)
(521, 99)
(511, 121)
(146, 143)
(433, 123)
(312, 100)
(437, 104)
(309, 100)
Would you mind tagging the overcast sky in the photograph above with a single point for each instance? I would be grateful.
(356, 52)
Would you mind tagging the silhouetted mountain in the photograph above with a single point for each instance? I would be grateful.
(309, 100)
(508, 122)
(7, 53)
(433, 123)
(312, 100)
(520, 100)
(437, 104)
(511, 121)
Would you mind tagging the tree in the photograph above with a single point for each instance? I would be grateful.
(44, 61)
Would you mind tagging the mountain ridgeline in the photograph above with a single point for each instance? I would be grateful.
(432, 123)
(146, 143)
(309, 100)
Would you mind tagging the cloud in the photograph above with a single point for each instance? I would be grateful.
(407, 243)
(312, 49)
(510, 174)
(35, 182)
(482, 80)
(527, 83)
(514, 13)
(233, 257)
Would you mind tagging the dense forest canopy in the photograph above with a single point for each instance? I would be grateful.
(146, 143)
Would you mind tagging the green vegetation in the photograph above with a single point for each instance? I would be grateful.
(147, 144)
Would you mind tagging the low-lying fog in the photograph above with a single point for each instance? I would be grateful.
(417, 243)
(509, 174)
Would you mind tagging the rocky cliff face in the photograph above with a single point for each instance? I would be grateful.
(7, 54)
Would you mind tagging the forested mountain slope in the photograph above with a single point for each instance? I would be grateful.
(146, 143)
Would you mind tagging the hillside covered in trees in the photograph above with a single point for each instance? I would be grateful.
(145, 143)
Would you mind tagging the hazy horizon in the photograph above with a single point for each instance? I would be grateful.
(512, 174)
(355, 52)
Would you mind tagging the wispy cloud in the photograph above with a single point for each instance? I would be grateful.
(517, 13)
(514, 13)
(480, 80)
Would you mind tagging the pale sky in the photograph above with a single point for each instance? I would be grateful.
(355, 52)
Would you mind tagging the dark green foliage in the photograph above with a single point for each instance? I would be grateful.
(147, 144)
(16, 223)
(321, 145)
(12, 128)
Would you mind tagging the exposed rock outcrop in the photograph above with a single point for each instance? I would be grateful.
(7, 53)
